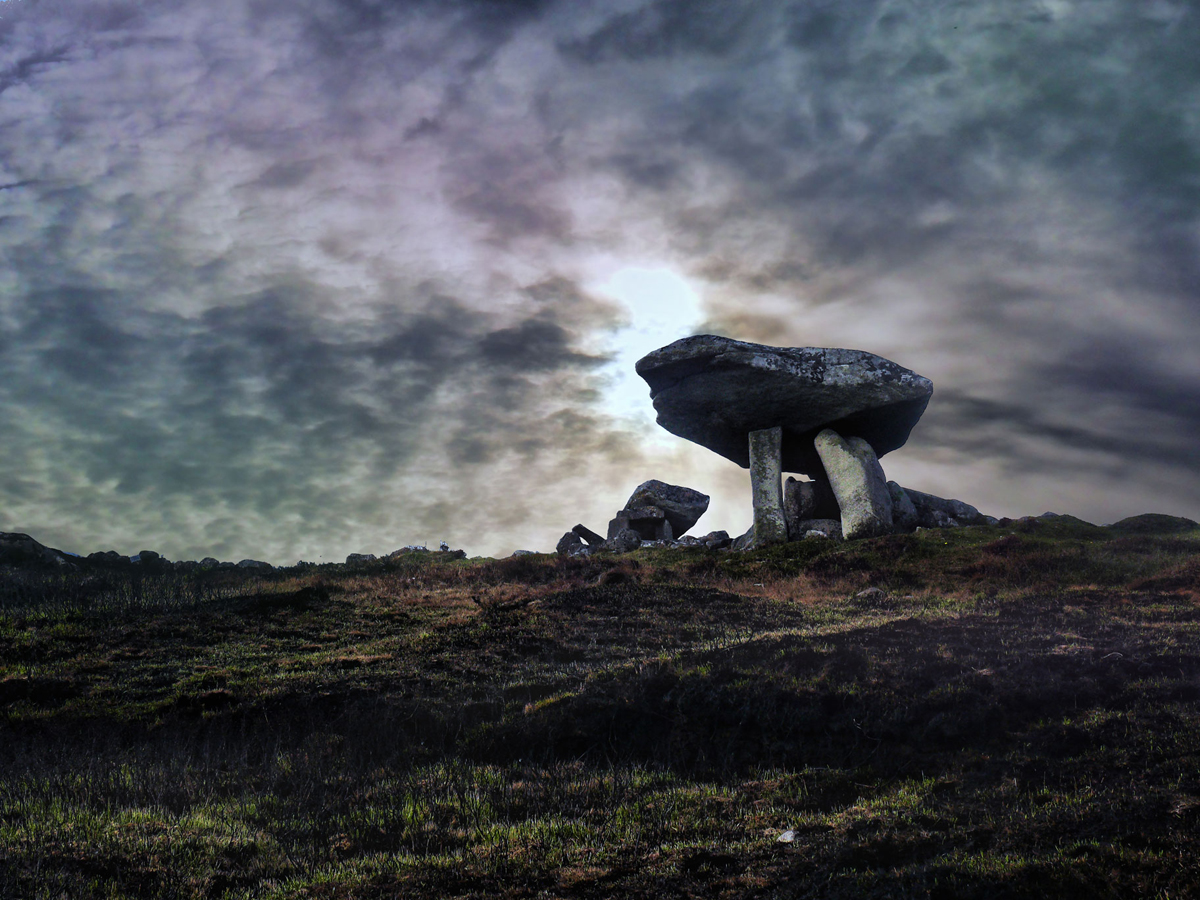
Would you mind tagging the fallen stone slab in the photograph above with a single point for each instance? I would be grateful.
(715, 391)
(858, 483)
(588, 536)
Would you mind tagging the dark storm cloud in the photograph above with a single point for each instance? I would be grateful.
(322, 266)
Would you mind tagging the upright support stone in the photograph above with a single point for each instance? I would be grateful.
(766, 474)
(858, 483)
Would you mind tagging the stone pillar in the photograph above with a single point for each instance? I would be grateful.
(858, 483)
(766, 473)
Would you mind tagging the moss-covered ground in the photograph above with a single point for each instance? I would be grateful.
(1015, 712)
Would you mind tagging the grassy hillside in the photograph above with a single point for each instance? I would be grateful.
(1000, 711)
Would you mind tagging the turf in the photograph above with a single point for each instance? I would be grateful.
(1013, 712)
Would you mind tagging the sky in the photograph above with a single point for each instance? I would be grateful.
(291, 279)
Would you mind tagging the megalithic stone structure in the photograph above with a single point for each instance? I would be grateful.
(719, 392)
(766, 484)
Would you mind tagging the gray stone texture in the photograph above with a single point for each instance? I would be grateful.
(569, 544)
(716, 540)
(623, 541)
(589, 537)
(714, 391)
(649, 522)
(935, 512)
(770, 524)
(904, 513)
(858, 483)
(682, 506)
(808, 500)
(830, 528)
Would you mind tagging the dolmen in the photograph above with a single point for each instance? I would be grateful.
(826, 413)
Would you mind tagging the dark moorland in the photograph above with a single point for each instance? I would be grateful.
(1015, 712)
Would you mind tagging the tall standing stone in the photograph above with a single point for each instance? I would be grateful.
(858, 483)
(766, 474)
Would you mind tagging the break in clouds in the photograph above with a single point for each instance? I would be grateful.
(296, 279)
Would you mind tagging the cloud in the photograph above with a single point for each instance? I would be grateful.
(281, 278)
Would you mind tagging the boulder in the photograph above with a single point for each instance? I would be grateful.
(254, 564)
(935, 512)
(804, 500)
(716, 540)
(682, 506)
(715, 391)
(904, 513)
(858, 483)
(568, 544)
(147, 556)
(210, 562)
(357, 558)
(625, 540)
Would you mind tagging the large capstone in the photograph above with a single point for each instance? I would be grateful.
(715, 391)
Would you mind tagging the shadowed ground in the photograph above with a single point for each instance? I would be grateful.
(1013, 713)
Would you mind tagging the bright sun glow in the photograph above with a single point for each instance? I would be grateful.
(663, 307)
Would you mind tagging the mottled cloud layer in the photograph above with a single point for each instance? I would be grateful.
(299, 279)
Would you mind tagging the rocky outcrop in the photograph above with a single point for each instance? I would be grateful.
(935, 512)
(681, 506)
(715, 391)
(17, 549)
(357, 559)
(588, 536)
(857, 480)
(1153, 523)
(254, 564)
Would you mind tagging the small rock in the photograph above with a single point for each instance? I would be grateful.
(830, 528)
